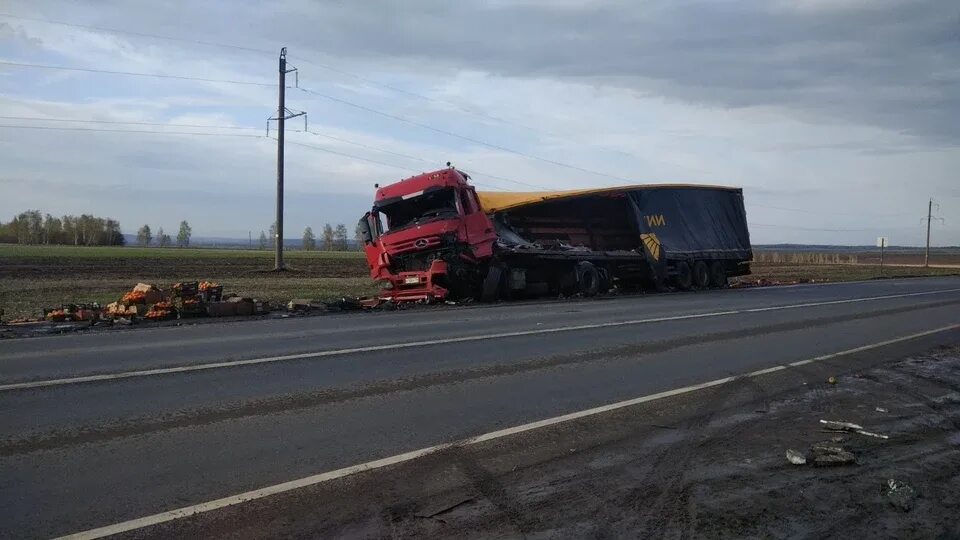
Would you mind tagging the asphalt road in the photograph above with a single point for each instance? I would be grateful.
(190, 414)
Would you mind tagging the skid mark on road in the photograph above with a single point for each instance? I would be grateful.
(444, 341)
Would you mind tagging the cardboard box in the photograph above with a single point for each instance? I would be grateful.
(245, 306)
(221, 309)
(144, 287)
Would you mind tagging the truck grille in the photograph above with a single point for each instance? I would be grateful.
(414, 262)
(425, 243)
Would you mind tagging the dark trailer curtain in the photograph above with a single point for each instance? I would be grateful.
(694, 222)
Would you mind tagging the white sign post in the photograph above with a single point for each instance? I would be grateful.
(882, 242)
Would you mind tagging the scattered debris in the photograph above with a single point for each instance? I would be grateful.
(304, 305)
(871, 434)
(881, 409)
(795, 457)
(832, 380)
(834, 425)
(900, 495)
(827, 454)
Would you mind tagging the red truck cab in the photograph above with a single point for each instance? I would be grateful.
(421, 230)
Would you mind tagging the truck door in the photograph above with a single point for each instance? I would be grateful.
(479, 228)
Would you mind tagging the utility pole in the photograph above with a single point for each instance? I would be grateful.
(926, 254)
(930, 218)
(283, 114)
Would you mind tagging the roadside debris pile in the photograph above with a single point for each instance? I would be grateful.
(832, 452)
(73, 313)
(149, 302)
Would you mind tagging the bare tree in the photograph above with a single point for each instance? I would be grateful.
(340, 237)
(273, 235)
(328, 237)
(144, 236)
(183, 237)
(309, 239)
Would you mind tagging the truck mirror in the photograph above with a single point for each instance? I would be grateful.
(364, 227)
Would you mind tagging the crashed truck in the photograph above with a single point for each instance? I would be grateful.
(433, 237)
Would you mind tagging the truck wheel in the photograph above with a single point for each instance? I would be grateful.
(588, 278)
(718, 275)
(491, 285)
(684, 276)
(701, 275)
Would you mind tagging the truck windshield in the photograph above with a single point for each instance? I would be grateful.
(439, 204)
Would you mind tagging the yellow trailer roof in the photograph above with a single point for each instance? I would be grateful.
(496, 201)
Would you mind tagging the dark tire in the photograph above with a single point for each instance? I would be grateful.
(491, 285)
(718, 275)
(684, 276)
(701, 275)
(588, 279)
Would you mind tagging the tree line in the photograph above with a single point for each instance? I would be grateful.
(32, 227)
(146, 237)
(331, 238)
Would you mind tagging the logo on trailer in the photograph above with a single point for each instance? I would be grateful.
(421, 243)
(653, 244)
(655, 221)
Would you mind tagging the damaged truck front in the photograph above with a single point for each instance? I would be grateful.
(433, 237)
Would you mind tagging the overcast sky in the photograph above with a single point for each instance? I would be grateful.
(839, 118)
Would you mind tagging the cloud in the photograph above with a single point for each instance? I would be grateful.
(894, 64)
(842, 108)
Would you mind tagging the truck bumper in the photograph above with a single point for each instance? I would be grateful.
(418, 286)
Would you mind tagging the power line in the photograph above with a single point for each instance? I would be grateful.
(337, 100)
(75, 120)
(807, 228)
(352, 156)
(132, 73)
(367, 146)
(422, 160)
(457, 135)
(828, 213)
(132, 33)
(366, 80)
(161, 124)
(60, 128)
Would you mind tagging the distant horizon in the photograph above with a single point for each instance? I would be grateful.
(194, 240)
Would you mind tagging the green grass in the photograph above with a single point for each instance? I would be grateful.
(14, 250)
(787, 272)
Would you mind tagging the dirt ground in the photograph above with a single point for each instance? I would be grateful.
(706, 465)
(31, 280)
(790, 272)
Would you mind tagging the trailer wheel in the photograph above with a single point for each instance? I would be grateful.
(701, 275)
(718, 275)
(588, 278)
(684, 276)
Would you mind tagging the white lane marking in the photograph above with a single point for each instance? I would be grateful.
(275, 489)
(443, 341)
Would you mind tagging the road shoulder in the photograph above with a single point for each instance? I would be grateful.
(710, 464)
